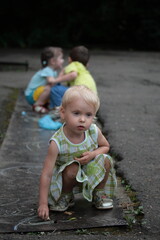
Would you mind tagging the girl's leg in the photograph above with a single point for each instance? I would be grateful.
(66, 199)
(100, 199)
(107, 166)
(69, 177)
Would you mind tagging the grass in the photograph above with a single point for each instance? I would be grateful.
(133, 212)
(6, 111)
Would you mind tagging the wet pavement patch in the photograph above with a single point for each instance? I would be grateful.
(21, 158)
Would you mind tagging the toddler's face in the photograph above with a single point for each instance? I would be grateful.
(78, 115)
(57, 63)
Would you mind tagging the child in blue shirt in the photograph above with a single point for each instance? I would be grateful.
(38, 90)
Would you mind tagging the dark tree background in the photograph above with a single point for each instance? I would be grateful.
(116, 24)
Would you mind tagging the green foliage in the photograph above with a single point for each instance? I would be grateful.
(139, 210)
(133, 211)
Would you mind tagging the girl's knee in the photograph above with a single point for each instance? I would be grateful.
(47, 88)
(71, 171)
(107, 164)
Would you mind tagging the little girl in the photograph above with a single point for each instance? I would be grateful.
(77, 155)
(38, 90)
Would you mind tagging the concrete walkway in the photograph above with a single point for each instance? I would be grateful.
(129, 88)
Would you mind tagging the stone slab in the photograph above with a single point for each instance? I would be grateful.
(21, 159)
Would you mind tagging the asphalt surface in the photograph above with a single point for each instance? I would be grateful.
(129, 89)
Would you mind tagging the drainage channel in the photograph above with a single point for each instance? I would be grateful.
(126, 196)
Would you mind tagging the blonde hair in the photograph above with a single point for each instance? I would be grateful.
(84, 92)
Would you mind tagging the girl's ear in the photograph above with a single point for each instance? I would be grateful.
(62, 112)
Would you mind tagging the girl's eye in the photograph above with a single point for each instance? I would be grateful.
(75, 113)
(89, 114)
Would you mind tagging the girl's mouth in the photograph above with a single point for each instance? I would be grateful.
(81, 127)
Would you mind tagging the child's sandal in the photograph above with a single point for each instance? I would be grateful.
(39, 109)
(101, 201)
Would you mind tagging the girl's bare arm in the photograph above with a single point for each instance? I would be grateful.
(66, 77)
(103, 144)
(103, 148)
(45, 180)
(62, 78)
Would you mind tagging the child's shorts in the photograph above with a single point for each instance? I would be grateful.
(56, 95)
(33, 97)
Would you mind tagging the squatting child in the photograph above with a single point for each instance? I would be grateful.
(75, 73)
(77, 154)
(38, 90)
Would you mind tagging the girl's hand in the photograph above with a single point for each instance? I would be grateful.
(43, 212)
(85, 158)
(51, 81)
(61, 73)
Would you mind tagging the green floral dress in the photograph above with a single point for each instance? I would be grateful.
(89, 175)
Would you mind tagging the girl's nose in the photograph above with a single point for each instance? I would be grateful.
(82, 118)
